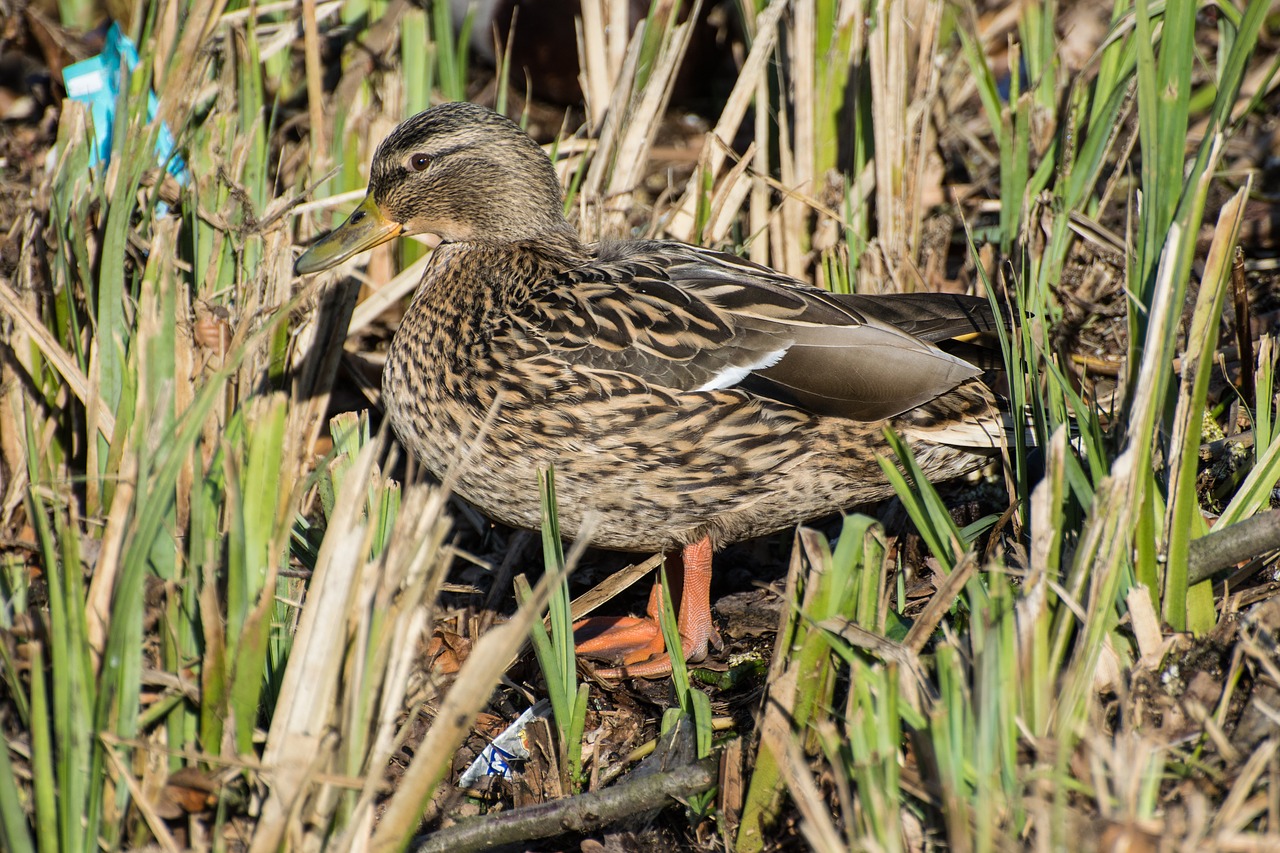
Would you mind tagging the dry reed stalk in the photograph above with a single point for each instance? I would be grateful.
(596, 77)
(752, 84)
(795, 216)
(642, 127)
(298, 742)
(887, 54)
(318, 137)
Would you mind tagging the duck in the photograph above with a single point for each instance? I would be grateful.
(684, 397)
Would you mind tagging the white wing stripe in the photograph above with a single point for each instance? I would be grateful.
(732, 374)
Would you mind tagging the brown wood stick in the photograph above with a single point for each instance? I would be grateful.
(583, 813)
(1222, 549)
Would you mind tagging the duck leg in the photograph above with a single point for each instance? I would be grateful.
(637, 642)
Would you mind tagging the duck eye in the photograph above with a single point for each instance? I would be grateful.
(418, 162)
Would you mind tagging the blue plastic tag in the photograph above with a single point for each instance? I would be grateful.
(97, 81)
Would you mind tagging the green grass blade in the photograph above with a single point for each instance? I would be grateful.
(1197, 369)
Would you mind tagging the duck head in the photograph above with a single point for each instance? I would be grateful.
(458, 170)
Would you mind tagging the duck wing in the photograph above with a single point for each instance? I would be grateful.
(690, 319)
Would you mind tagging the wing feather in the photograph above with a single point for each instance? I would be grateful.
(689, 319)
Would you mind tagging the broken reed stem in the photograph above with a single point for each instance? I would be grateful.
(1244, 339)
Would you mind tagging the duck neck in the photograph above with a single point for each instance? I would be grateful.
(557, 246)
(561, 240)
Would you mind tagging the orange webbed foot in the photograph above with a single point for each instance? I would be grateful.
(636, 642)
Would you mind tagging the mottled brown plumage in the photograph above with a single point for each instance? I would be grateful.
(681, 394)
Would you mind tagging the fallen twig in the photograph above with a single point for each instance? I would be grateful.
(1222, 549)
(583, 813)
(1214, 450)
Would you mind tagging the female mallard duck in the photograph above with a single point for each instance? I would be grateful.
(686, 398)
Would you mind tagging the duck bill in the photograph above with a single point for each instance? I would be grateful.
(365, 228)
